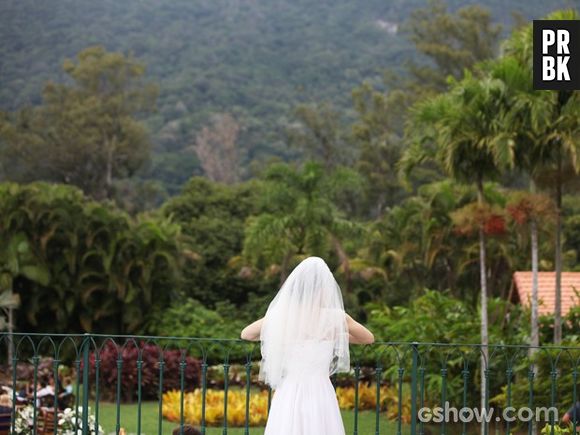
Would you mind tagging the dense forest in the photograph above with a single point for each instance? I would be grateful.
(256, 60)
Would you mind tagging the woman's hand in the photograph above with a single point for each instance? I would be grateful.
(357, 333)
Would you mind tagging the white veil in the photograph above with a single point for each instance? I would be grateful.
(308, 308)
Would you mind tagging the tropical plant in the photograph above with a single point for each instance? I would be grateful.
(528, 211)
(79, 265)
(460, 132)
(299, 217)
(544, 128)
(457, 323)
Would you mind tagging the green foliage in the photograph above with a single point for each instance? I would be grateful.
(436, 317)
(79, 265)
(554, 430)
(453, 42)
(299, 215)
(543, 125)
(84, 134)
(319, 135)
(459, 130)
(552, 368)
(375, 132)
(549, 366)
(457, 321)
(417, 245)
(213, 216)
(189, 318)
(570, 328)
(218, 252)
(450, 43)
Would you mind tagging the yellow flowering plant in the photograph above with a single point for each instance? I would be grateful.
(214, 408)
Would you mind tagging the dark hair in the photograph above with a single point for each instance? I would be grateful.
(187, 430)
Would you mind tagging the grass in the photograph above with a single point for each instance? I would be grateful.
(149, 421)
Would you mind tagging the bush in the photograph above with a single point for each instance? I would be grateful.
(129, 354)
(214, 411)
(190, 318)
(367, 400)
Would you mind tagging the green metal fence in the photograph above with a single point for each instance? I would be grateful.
(405, 380)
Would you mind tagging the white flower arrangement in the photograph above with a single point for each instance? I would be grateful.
(24, 420)
(68, 424)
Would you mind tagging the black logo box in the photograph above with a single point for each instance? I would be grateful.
(558, 37)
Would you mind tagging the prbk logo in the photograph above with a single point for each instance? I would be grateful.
(557, 54)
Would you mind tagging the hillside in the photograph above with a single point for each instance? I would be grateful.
(256, 59)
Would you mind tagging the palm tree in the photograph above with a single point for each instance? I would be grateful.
(415, 241)
(459, 131)
(545, 128)
(299, 217)
(532, 212)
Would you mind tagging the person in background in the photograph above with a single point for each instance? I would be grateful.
(22, 393)
(187, 430)
(5, 413)
(31, 389)
(65, 394)
(47, 389)
(45, 393)
(5, 404)
(67, 387)
(568, 418)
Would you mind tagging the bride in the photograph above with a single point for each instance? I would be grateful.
(304, 339)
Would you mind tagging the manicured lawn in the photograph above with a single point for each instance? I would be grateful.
(149, 421)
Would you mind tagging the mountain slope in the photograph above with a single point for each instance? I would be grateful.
(254, 58)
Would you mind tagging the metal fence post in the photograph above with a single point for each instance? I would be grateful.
(414, 388)
(86, 345)
(356, 399)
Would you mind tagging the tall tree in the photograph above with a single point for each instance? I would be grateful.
(458, 130)
(449, 43)
(318, 134)
(379, 144)
(217, 149)
(533, 213)
(85, 133)
(452, 42)
(546, 127)
(212, 216)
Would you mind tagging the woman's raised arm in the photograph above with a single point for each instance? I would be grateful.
(252, 331)
(358, 334)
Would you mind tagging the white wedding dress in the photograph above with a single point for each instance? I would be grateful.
(305, 402)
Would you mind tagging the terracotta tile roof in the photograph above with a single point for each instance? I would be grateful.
(547, 290)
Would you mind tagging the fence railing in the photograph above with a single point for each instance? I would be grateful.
(393, 388)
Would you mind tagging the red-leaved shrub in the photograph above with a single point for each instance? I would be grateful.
(111, 354)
